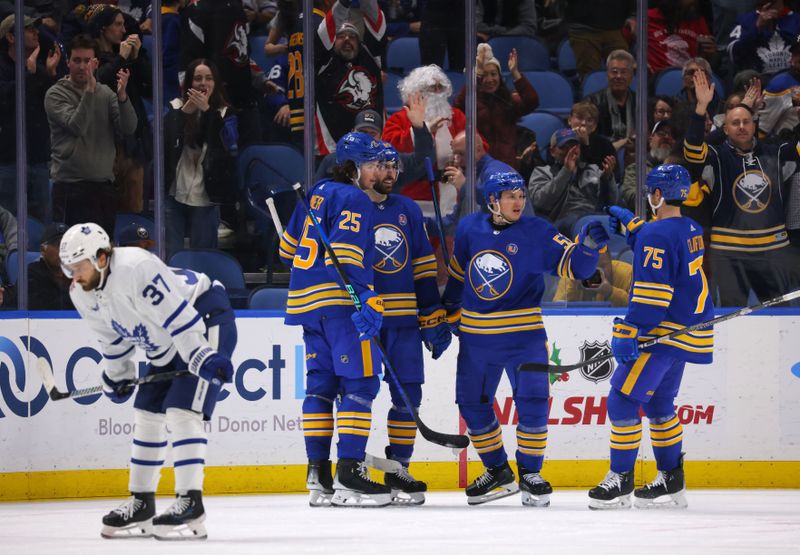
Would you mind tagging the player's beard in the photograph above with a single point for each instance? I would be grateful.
(660, 153)
(436, 106)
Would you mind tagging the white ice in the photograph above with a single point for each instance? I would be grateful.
(717, 521)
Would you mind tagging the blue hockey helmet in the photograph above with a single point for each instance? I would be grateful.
(501, 181)
(672, 179)
(388, 153)
(358, 147)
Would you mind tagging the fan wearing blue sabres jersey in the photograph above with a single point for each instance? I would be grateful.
(340, 359)
(405, 278)
(669, 292)
(181, 320)
(493, 296)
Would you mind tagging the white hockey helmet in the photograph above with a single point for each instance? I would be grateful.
(81, 242)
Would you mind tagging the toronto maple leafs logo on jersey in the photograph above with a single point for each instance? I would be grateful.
(490, 274)
(599, 370)
(138, 337)
(752, 191)
(357, 90)
(391, 247)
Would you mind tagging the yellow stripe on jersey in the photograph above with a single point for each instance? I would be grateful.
(564, 265)
(455, 269)
(399, 304)
(656, 294)
(346, 254)
(310, 298)
(695, 153)
(366, 358)
(288, 246)
(424, 267)
(698, 341)
(754, 240)
(634, 373)
(501, 321)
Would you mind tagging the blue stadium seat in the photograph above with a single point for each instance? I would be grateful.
(12, 263)
(669, 82)
(35, 229)
(268, 298)
(532, 55)
(257, 53)
(544, 124)
(555, 92)
(391, 96)
(566, 58)
(124, 219)
(598, 80)
(457, 79)
(217, 265)
(402, 55)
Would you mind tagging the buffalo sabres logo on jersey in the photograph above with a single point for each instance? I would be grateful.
(600, 370)
(357, 90)
(138, 337)
(490, 274)
(392, 249)
(752, 191)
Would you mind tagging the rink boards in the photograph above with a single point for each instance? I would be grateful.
(741, 414)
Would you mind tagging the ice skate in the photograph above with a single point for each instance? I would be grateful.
(614, 492)
(495, 483)
(132, 519)
(406, 490)
(535, 489)
(667, 491)
(353, 487)
(319, 482)
(183, 520)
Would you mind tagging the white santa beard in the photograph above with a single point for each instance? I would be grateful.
(437, 106)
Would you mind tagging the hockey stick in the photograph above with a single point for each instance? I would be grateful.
(556, 369)
(48, 379)
(447, 440)
(384, 465)
(437, 209)
(274, 213)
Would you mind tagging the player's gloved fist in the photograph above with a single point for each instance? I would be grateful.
(435, 330)
(118, 391)
(624, 341)
(369, 319)
(623, 217)
(454, 321)
(211, 366)
(593, 235)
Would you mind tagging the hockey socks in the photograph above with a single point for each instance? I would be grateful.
(666, 435)
(318, 427)
(488, 442)
(189, 445)
(148, 451)
(531, 443)
(402, 433)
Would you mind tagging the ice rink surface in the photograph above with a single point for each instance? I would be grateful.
(717, 521)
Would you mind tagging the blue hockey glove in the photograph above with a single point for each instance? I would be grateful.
(118, 391)
(211, 366)
(369, 319)
(593, 235)
(624, 341)
(435, 330)
(454, 321)
(622, 218)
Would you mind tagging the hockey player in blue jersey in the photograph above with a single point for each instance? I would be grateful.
(493, 295)
(669, 292)
(405, 278)
(181, 320)
(340, 359)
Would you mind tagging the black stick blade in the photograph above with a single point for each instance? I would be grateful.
(453, 441)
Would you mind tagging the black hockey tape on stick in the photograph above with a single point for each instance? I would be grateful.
(48, 379)
(456, 441)
(557, 369)
(437, 209)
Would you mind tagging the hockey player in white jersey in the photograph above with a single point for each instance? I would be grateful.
(181, 320)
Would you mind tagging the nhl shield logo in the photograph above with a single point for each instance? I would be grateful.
(600, 370)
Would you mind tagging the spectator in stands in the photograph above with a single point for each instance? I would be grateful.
(442, 30)
(170, 47)
(120, 51)
(85, 118)
(569, 188)
(660, 145)
(348, 69)
(39, 77)
(497, 18)
(782, 98)
(686, 96)
(48, 287)
(403, 17)
(676, 32)
(595, 149)
(497, 108)
(200, 138)
(8, 232)
(617, 102)
(660, 107)
(725, 13)
(259, 13)
(371, 123)
(136, 235)
(595, 30)
(613, 287)
(762, 37)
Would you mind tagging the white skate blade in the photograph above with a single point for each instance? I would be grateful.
(190, 530)
(134, 530)
(674, 501)
(350, 498)
(319, 498)
(622, 502)
(404, 499)
(497, 493)
(530, 500)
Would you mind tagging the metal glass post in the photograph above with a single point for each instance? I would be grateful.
(158, 125)
(309, 85)
(642, 132)
(470, 47)
(22, 157)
